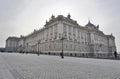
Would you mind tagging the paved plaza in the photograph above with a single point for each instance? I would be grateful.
(31, 66)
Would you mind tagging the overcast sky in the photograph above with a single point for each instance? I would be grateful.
(21, 17)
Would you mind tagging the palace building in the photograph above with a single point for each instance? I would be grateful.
(76, 39)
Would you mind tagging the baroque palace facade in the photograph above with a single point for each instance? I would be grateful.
(76, 39)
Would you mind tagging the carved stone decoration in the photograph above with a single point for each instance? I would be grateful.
(97, 26)
(52, 17)
(60, 17)
(68, 16)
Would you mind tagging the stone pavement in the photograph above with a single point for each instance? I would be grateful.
(29, 66)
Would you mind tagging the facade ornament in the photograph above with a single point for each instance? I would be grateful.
(98, 26)
(69, 16)
(111, 34)
(60, 17)
(46, 21)
(34, 30)
(52, 17)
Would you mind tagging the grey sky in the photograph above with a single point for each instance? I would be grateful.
(21, 17)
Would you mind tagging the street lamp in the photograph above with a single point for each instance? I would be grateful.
(38, 47)
(27, 48)
(62, 55)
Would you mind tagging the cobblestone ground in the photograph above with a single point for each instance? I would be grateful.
(29, 66)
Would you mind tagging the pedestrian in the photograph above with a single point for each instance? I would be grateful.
(115, 54)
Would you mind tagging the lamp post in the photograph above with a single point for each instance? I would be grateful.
(38, 47)
(27, 48)
(62, 55)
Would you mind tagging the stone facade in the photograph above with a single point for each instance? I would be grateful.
(11, 44)
(78, 39)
